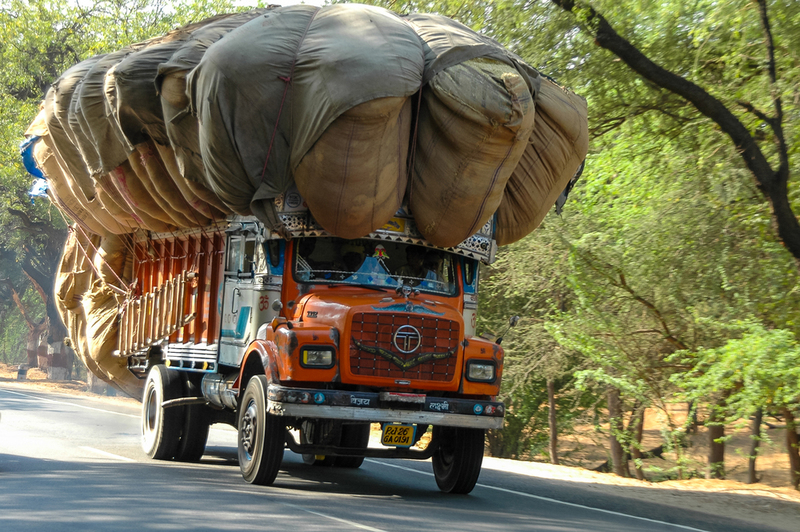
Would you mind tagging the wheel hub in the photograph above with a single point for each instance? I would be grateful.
(150, 411)
(248, 428)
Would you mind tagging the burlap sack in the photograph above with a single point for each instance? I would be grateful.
(109, 260)
(72, 282)
(474, 124)
(136, 186)
(57, 106)
(206, 210)
(266, 92)
(101, 307)
(68, 203)
(181, 125)
(166, 189)
(354, 178)
(556, 149)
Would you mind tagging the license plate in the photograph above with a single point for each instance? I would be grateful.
(398, 435)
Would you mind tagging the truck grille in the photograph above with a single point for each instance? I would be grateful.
(373, 351)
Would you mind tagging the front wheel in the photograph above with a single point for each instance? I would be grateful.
(261, 435)
(457, 461)
(161, 427)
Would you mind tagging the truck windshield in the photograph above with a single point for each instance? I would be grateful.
(374, 263)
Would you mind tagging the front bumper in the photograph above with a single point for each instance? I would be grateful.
(370, 407)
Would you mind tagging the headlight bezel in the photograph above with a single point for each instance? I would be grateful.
(320, 352)
(483, 363)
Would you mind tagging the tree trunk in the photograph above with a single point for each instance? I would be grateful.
(691, 412)
(636, 427)
(755, 434)
(716, 449)
(792, 446)
(31, 347)
(551, 418)
(618, 455)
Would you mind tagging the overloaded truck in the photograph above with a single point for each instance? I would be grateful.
(278, 218)
(305, 342)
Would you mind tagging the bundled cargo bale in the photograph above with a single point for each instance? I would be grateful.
(133, 102)
(180, 122)
(70, 201)
(265, 93)
(354, 178)
(101, 310)
(166, 190)
(131, 180)
(75, 274)
(101, 143)
(476, 114)
(556, 149)
(474, 123)
(57, 106)
(66, 199)
(73, 279)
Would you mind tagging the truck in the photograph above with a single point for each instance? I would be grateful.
(303, 340)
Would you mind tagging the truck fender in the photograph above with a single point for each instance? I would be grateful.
(260, 358)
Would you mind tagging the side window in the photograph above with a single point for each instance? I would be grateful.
(235, 254)
(249, 256)
(273, 251)
(470, 269)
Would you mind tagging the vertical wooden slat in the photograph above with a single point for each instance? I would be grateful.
(216, 280)
(202, 289)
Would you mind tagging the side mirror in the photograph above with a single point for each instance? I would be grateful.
(512, 322)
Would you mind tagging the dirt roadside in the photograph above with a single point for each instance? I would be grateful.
(777, 507)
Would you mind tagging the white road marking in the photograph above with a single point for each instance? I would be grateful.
(313, 512)
(70, 404)
(110, 455)
(547, 499)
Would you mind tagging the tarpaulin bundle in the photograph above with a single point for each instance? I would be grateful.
(362, 109)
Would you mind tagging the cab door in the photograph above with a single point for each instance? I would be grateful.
(236, 303)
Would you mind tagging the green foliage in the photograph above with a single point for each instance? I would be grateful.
(759, 369)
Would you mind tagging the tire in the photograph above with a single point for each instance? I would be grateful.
(196, 424)
(194, 435)
(161, 427)
(457, 461)
(261, 435)
(354, 436)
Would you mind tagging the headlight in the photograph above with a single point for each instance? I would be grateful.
(480, 370)
(316, 357)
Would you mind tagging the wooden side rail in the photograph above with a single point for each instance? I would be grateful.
(155, 316)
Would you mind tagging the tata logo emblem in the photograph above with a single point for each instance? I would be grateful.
(407, 339)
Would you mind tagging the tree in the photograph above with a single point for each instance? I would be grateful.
(758, 370)
(771, 178)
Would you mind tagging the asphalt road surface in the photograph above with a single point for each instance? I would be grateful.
(73, 463)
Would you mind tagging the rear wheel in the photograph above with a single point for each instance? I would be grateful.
(320, 432)
(196, 422)
(457, 461)
(261, 435)
(194, 435)
(161, 427)
(354, 436)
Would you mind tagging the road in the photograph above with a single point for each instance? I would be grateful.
(73, 463)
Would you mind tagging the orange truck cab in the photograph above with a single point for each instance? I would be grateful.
(308, 341)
